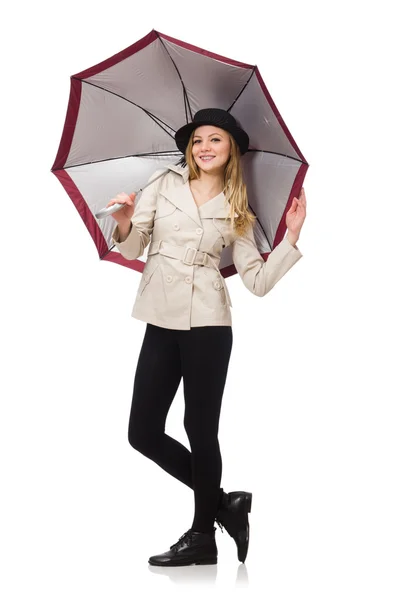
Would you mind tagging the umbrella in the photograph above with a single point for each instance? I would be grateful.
(120, 123)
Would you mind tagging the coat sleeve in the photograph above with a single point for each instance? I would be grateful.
(258, 275)
(142, 223)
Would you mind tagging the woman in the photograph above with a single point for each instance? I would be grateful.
(189, 215)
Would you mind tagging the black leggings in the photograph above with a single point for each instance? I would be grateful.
(201, 356)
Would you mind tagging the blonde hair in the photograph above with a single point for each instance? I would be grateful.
(234, 187)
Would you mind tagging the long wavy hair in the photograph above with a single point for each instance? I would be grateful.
(234, 187)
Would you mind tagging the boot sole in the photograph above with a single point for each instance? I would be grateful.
(207, 561)
(243, 542)
(242, 545)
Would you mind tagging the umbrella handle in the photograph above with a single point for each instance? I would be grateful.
(105, 212)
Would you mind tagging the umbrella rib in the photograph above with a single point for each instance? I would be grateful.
(243, 88)
(303, 162)
(175, 153)
(187, 105)
(185, 96)
(260, 225)
(160, 153)
(156, 119)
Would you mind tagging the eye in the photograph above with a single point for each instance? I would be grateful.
(195, 141)
(215, 140)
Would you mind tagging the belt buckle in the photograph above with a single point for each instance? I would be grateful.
(185, 261)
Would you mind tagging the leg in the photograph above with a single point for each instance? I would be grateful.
(157, 379)
(205, 354)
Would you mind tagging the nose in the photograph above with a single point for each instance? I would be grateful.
(205, 146)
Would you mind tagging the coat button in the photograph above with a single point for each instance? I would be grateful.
(217, 285)
(199, 231)
(188, 279)
(176, 226)
(169, 278)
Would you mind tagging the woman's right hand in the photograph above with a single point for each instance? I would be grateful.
(123, 215)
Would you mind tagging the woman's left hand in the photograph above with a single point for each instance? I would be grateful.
(296, 215)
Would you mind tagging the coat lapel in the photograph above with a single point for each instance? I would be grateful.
(182, 197)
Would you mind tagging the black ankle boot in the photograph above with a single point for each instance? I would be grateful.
(192, 548)
(233, 516)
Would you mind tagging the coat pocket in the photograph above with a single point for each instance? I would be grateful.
(147, 274)
(220, 288)
(216, 289)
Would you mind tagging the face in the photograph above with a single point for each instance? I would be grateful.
(211, 148)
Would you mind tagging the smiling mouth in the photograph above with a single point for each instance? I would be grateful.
(206, 158)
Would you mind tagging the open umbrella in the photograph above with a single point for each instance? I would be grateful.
(120, 124)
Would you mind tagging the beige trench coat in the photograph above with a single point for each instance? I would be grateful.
(181, 286)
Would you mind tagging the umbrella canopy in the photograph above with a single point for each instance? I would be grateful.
(120, 124)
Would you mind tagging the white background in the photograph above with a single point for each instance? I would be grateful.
(309, 410)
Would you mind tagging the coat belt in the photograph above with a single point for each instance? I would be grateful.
(189, 256)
